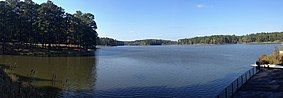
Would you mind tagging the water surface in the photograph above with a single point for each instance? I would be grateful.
(144, 71)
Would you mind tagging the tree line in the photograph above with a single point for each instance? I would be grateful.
(105, 41)
(113, 42)
(273, 37)
(25, 25)
(150, 42)
(233, 39)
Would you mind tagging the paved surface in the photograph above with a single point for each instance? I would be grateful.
(268, 83)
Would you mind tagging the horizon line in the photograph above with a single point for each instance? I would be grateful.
(188, 37)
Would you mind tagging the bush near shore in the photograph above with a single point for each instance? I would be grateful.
(275, 58)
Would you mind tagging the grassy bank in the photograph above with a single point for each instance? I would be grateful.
(58, 51)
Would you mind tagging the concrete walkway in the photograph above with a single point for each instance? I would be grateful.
(268, 83)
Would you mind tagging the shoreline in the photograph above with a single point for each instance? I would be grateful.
(13, 86)
(189, 45)
(51, 53)
(89, 53)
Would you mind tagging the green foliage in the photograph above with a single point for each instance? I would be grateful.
(104, 41)
(232, 39)
(25, 25)
(215, 39)
(112, 42)
(150, 42)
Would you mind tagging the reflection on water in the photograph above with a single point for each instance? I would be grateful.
(70, 74)
(158, 71)
(173, 71)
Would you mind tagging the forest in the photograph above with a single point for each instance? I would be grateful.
(272, 37)
(27, 26)
(104, 41)
(150, 42)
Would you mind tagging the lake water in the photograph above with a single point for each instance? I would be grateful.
(143, 71)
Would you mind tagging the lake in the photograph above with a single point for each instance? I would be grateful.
(142, 71)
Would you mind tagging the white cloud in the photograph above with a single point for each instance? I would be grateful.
(200, 5)
(132, 31)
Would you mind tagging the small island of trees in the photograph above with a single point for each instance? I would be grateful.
(40, 29)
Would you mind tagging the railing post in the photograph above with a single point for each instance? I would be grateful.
(249, 73)
(237, 83)
(255, 70)
(246, 77)
(226, 94)
(232, 88)
(242, 80)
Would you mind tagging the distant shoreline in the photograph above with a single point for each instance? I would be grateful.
(253, 43)
(258, 38)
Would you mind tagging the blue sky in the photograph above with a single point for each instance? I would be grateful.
(175, 19)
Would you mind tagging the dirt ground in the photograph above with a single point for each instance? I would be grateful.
(268, 83)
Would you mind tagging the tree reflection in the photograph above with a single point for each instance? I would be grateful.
(55, 75)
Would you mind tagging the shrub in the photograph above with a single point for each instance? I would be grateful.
(274, 58)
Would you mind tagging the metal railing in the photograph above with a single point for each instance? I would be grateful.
(231, 89)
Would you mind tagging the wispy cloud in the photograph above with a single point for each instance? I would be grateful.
(132, 31)
(200, 5)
